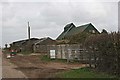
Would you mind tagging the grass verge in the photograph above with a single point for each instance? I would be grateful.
(82, 73)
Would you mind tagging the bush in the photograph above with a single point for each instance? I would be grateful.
(105, 49)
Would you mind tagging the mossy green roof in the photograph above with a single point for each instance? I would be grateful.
(72, 30)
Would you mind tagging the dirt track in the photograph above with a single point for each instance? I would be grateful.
(9, 71)
(33, 67)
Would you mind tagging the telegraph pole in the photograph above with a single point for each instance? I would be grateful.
(28, 31)
(28, 44)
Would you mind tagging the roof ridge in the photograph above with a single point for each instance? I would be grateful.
(69, 24)
(42, 39)
(83, 25)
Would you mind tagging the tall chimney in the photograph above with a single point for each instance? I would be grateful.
(28, 31)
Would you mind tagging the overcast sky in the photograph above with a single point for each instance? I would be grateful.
(48, 18)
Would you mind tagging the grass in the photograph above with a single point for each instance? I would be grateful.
(47, 59)
(82, 73)
(25, 52)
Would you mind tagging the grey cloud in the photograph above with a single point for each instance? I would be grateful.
(49, 18)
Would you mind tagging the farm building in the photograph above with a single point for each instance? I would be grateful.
(24, 45)
(61, 48)
(61, 51)
(64, 51)
(52, 48)
(71, 30)
(41, 45)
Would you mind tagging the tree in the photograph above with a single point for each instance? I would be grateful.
(105, 49)
(6, 46)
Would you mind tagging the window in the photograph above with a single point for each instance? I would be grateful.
(93, 31)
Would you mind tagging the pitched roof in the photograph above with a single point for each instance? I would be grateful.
(24, 41)
(72, 30)
(44, 41)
